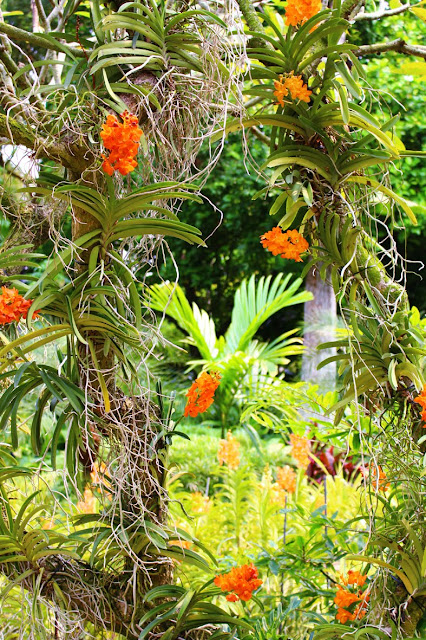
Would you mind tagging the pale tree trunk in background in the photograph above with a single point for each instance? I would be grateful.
(320, 320)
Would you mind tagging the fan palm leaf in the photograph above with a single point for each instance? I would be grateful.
(255, 302)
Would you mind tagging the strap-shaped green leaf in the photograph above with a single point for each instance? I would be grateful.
(152, 226)
(135, 23)
(187, 15)
(171, 299)
(277, 120)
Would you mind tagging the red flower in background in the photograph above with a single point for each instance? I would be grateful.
(331, 461)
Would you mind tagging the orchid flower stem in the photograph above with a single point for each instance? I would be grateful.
(177, 421)
(284, 538)
(325, 514)
(284, 543)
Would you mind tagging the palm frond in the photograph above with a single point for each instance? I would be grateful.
(171, 300)
(255, 302)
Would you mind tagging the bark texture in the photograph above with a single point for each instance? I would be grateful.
(320, 320)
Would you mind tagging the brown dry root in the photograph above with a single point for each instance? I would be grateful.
(80, 595)
(31, 223)
(84, 598)
(391, 602)
(75, 586)
(373, 270)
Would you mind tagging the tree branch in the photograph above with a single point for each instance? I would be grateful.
(350, 8)
(250, 16)
(19, 35)
(69, 156)
(57, 12)
(399, 46)
(260, 135)
(376, 15)
(42, 16)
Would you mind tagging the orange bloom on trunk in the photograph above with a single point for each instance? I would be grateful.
(291, 84)
(201, 394)
(87, 505)
(345, 599)
(13, 306)
(354, 577)
(343, 615)
(360, 609)
(377, 476)
(240, 582)
(122, 140)
(421, 400)
(297, 12)
(290, 244)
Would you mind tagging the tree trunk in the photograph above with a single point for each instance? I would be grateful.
(320, 319)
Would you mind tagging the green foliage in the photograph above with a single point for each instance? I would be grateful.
(320, 161)
(385, 351)
(64, 303)
(244, 363)
(234, 251)
(241, 520)
(188, 608)
(404, 81)
(196, 458)
(54, 389)
(159, 43)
